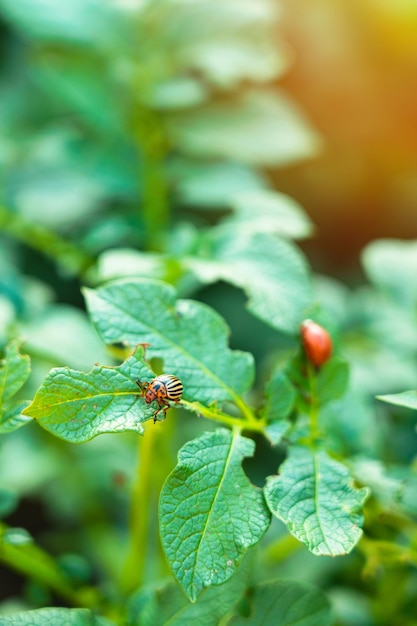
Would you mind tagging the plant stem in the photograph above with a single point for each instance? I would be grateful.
(314, 403)
(248, 423)
(151, 144)
(246, 411)
(134, 569)
(33, 562)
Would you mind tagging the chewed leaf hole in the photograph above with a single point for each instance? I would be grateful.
(265, 461)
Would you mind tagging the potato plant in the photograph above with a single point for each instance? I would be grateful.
(140, 236)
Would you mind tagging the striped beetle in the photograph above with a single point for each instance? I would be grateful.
(162, 388)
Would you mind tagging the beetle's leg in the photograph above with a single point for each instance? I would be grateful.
(155, 414)
(163, 406)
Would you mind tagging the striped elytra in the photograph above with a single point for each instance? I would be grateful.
(161, 389)
(173, 386)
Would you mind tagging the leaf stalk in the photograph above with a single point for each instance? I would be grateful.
(314, 403)
(249, 422)
(134, 568)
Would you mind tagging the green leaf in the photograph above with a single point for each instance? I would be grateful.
(82, 21)
(351, 425)
(315, 497)
(259, 127)
(210, 185)
(405, 398)
(271, 271)
(77, 406)
(210, 514)
(224, 43)
(395, 488)
(12, 418)
(286, 603)
(81, 193)
(155, 605)
(159, 606)
(188, 336)
(175, 93)
(265, 210)
(215, 602)
(123, 262)
(392, 266)
(317, 386)
(276, 431)
(280, 397)
(14, 371)
(226, 63)
(332, 380)
(54, 617)
(275, 276)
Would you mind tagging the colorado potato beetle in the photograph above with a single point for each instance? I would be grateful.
(162, 389)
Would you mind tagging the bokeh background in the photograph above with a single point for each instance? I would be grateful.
(354, 72)
(67, 80)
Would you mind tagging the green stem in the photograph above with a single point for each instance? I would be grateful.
(73, 260)
(134, 569)
(31, 561)
(314, 403)
(147, 129)
(248, 423)
(155, 207)
(247, 412)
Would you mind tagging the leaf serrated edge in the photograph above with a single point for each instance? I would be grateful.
(364, 492)
(236, 398)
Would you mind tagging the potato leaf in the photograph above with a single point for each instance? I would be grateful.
(77, 406)
(315, 497)
(268, 211)
(14, 371)
(286, 603)
(159, 605)
(190, 337)
(210, 513)
(391, 266)
(271, 270)
(53, 617)
(263, 128)
(407, 399)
